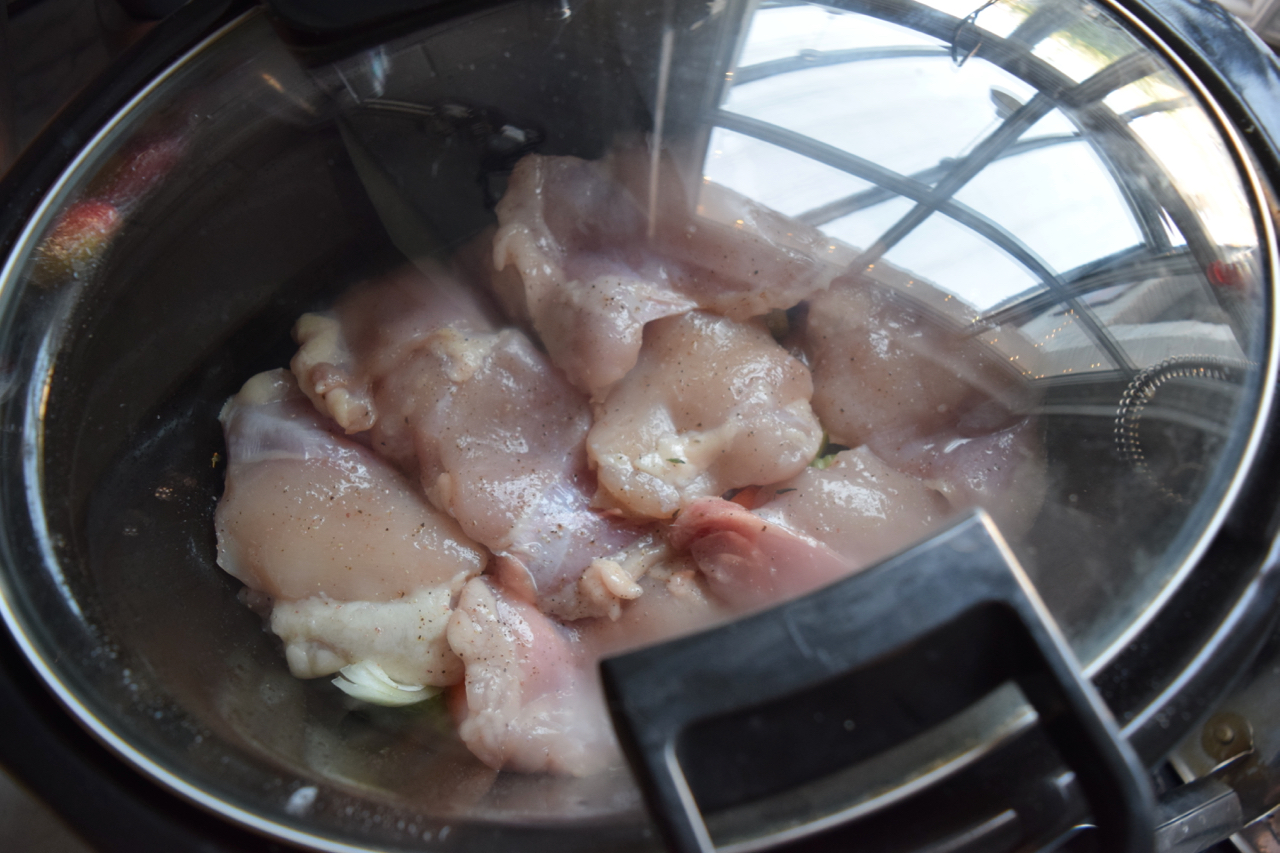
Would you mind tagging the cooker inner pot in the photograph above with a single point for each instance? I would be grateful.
(1022, 174)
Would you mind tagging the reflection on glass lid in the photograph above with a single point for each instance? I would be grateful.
(1020, 207)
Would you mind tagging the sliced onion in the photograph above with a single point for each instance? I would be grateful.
(368, 682)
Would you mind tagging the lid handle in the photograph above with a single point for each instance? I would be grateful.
(323, 31)
(336, 16)
(957, 612)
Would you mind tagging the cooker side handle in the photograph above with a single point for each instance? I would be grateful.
(958, 605)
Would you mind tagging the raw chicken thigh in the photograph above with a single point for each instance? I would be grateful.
(858, 505)
(441, 497)
(577, 259)
(569, 258)
(346, 354)
(532, 698)
(880, 368)
(809, 531)
(712, 405)
(500, 439)
(338, 540)
(750, 562)
(930, 402)
(491, 430)
(309, 513)
(993, 462)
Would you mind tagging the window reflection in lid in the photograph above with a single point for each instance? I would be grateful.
(1034, 173)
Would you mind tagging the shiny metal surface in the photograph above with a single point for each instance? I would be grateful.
(1197, 818)
(1034, 175)
(1240, 744)
(37, 403)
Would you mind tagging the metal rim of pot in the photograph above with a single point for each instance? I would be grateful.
(1235, 562)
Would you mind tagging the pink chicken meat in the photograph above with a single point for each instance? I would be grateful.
(531, 699)
(712, 405)
(309, 513)
(337, 541)
(488, 498)
(576, 258)
(491, 430)
(929, 401)
(500, 440)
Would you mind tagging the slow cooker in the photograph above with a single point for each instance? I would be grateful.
(1082, 190)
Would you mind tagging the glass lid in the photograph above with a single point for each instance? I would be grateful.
(355, 409)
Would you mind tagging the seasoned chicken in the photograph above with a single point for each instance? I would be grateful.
(492, 431)
(995, 461)
(749, 562)
(499, 438)
(308, 513)
(571, 260)
(858, 506)
(405, 637)
(435, 498)
(713, 404)
(929, 401)
(578, 258)
(531, 697)
(357, 567)
(808, 531)
(345, 354)
(881, 368)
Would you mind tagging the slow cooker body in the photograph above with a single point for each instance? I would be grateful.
(246, 165)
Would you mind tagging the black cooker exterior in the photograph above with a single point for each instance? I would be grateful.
(1195, 651)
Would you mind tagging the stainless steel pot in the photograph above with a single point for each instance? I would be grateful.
(1085, 187)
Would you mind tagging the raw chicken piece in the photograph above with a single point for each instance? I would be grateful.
(809, 531)
(749, 562)
(931, 402)
(584, 278)
(307, 513)
(491, 430)
(389, 318)
(675, 600)
(609, 582)
(858, 506)
(405, 637)
(879, 368)
(712, 405)
(592, 273)
(498, 435)
(990, 459)
(343, 353)
(323, 367)
(532, 695)
(741, 259)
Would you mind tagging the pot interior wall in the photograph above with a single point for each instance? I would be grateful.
(275, 210)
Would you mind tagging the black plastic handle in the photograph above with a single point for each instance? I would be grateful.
(323, 31)
(336, 16)
(892, 650)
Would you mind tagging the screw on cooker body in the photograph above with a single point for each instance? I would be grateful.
(1225, 736)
